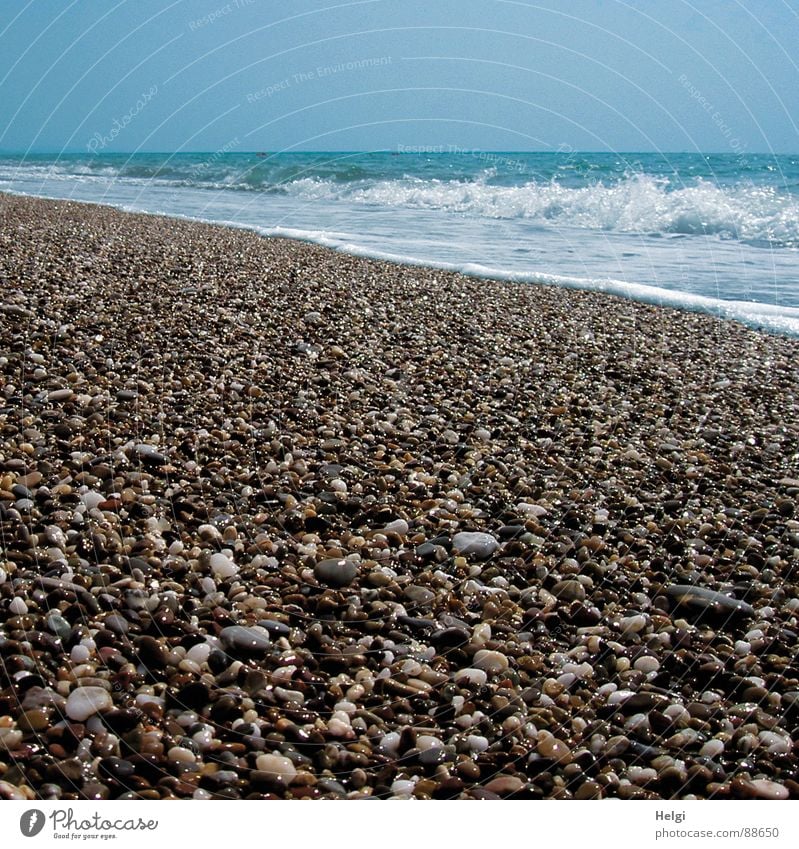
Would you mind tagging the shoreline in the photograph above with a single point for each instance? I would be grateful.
(241, 470)
(767, 319)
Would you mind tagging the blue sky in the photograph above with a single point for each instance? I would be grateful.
(606, 75)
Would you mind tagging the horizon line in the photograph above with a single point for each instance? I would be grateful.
(424, 150)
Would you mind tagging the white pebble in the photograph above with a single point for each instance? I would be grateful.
(619, 696)
(190, 666)
(647, 664)
(10, 738)
(490, 661)
(402, 787)
(390, 742)
(177, 754)
(641, 775)
(633, 624)
(18, 607)
(527, 509)
(79, 654)
(398, 526)
(477, 743)
(91, 499)
(222, 565)
(473, 676)
(203, 738)
(427, 741)
(775, 743)
(276, 765)
(339, 728)
(199, 653)
(479, 544)
(83, 702)
(712, 749)
(481, 633)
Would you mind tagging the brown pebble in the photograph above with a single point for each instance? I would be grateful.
(505, 785)
(589, 790)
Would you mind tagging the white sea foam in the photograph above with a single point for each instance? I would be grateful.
(637, 204)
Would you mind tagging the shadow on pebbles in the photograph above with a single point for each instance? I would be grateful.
(283, 523)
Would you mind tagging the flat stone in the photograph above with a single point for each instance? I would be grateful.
(505, 785)
(762, 788)
(237, 637)
(335, 572)
(569, 591)
(30, 480)
(534, 510)
(60, 395)
(701, 598)
(275, 629)
(471, 675)
(490, 661)
(476, 543)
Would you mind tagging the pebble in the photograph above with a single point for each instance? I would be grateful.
(336, 573)
(505, 785)
(479, 545)
(276, 766)
(553, 749)
(17, 606)
(647, 664)
(239, 638)
(84, 702)
(706, 599)
(569, 591)
(489, 661)
(763, 788)
(471, 675)
(223, 566)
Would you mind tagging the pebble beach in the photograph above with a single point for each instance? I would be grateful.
(280, 523)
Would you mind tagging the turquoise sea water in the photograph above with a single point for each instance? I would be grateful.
(717, 233)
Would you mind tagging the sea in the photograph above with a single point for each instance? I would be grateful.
(717, 233)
